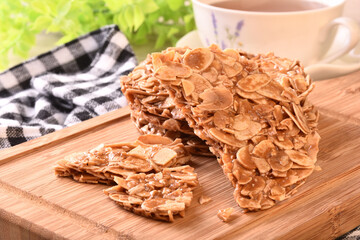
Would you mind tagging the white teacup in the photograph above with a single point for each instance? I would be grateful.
(301, 34)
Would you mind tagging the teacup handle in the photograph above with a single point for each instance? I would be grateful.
(354, 37)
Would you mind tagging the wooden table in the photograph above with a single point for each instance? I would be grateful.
(34, 204)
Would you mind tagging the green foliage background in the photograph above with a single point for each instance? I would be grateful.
(159, 21)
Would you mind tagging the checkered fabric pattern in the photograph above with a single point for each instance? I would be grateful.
(70, 84)
(352, 235)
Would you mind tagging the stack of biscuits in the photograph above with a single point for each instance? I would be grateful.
(250, 110)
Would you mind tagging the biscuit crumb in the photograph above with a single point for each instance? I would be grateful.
(204, 199)
(224, 214)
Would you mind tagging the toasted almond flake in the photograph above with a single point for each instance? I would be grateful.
(248, 95)
(225, 138)
(211, 74)
(164, 156)
(138, 152)
(280, 162)
(154, 139)
(221, 119)
(254, 82)
(241, 122)
(261, 164)
(266, 203)
(171, 70)
(277, 193)
(225, 59)
(200, 85)
(244, 158)
(216, 99)
(204, 199)
(299, 158)
(293, 117)
(247, 203)
(135, 164)
(199, 59)
(232, 53)
(256, 185)
(301, 120)
(224, 214)
(279, 173)
(188, 87)
(232, 71)
(272, 90)
(171, 206)
(302, 173)
(264, 149)
(285, 144)
(151, 205)
(242, 176)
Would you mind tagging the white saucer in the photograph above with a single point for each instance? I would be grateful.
(342, 66)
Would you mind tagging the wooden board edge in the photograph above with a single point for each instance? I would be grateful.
(12, 153)
(335, 216)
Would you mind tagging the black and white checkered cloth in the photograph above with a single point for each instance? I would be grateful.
(70, 84)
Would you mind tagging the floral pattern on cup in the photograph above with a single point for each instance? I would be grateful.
(231, 37)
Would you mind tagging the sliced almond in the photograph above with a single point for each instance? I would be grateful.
(199, 59)
(188, 87)
(164, 156)
(154, 139)
(225, 137)
(254, 82)
(272, 90)
(216, 99)
(244, 158)
(299, 158)
(261, 165)
(138, 152)
(256, 185)
(264, 149)
(171, 70)
(232, 71)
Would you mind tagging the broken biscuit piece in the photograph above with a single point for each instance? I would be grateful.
(160, 195)
(148, 123)
(204, 199)
(253, 112)
(225, 214)
(152, 109)
(149, 153)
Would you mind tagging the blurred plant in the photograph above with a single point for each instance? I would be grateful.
(161, 21)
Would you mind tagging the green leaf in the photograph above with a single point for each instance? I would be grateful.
(41, 23)
(160, 41)
(175, 4)
(40, 6)
(149, 6)
(172, 32)
(138, 17)
(121, 22)
(189, 22)
(62, 8)
(129, 16)
(141, 35)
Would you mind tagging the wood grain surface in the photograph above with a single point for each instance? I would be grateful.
(34, 204)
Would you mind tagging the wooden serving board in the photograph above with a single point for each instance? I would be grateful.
(34, 204)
